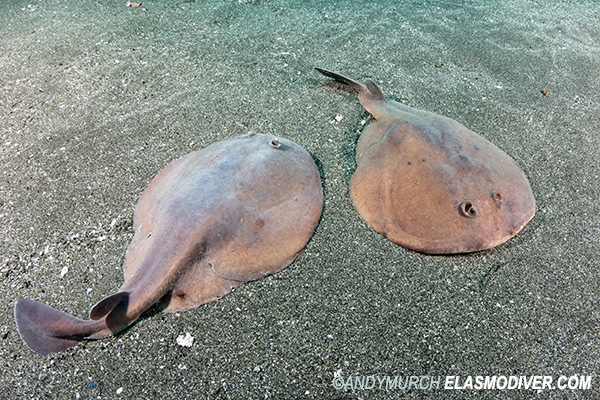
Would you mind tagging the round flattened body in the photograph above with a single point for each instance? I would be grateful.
(440, 188)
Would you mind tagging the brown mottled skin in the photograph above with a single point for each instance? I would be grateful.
(429, 184)
(210, 221)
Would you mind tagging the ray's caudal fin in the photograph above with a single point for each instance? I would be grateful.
(369, 94)
(46, 330)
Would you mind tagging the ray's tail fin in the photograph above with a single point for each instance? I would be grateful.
(330, 74)
(369, 94)
(46, 330)
(113, 309)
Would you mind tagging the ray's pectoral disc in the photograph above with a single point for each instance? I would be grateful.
(210, 221)
(430, 184)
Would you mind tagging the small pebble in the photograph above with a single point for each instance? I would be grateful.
(185, 341)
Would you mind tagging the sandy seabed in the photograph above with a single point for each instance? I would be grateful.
(97, 97)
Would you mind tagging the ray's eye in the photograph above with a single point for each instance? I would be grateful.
(275, 144)
(498, 197)
(467, 209)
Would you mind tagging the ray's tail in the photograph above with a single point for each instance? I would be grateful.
(46, 330)
(369, 94)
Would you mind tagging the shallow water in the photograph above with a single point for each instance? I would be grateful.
(97, 97)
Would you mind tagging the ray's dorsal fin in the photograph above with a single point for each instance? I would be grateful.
(374, 90)
(105, 306)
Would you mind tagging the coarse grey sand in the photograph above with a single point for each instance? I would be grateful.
(97, 97)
